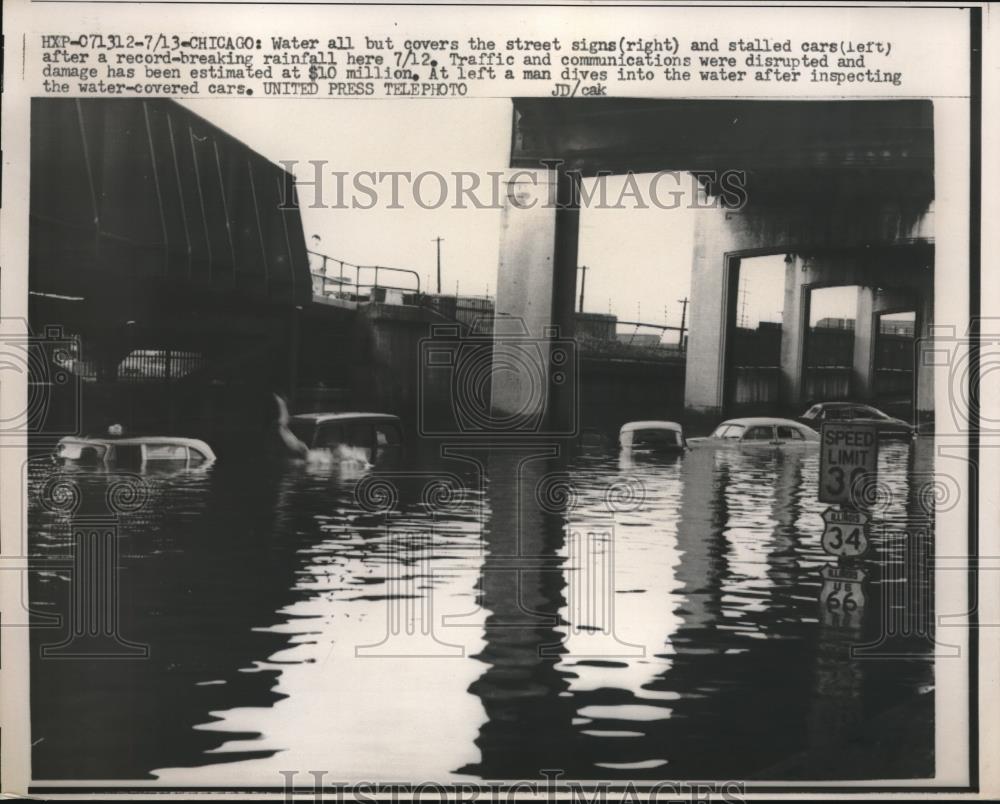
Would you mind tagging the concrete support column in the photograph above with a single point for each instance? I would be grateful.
(865, 337)
(924, 380)
(867, 327)
(535, 290)
(704, 382)
(794, 331)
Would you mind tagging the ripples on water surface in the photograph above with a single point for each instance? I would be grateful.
(610, 618)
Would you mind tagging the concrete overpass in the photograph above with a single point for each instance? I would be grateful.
(843, 189)
(169, 250)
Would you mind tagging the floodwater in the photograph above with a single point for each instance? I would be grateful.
(490, 615)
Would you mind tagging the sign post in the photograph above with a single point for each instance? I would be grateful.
(848, 461)
(848, 452)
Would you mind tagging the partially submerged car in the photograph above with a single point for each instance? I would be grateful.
(371, 436)
(652, 437)
(759, 431)
(887, 426)
(139, 451)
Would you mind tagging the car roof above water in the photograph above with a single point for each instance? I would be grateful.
(132, 441)
(651, 425)
(137, 441)
(752, 421)
(318, 418)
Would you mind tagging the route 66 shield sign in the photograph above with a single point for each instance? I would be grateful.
(842, 597)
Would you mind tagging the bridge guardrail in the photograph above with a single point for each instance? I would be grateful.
(339, 284)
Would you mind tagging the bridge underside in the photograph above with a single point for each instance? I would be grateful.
(843, 189)
(173, 256)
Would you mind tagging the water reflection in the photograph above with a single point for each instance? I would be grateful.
(490, 615)
(521, 589)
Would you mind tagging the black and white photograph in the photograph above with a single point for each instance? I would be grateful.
(434, 402)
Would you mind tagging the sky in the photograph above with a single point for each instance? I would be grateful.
(762, 294)
(382, 135)
(639, 259)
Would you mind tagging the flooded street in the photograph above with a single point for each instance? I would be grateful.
(490, 616)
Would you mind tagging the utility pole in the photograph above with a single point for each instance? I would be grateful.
(583, 284)
(438, 241)
(684, 310)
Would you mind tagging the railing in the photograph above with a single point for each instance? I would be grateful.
(141, 365)
(828, 382)
(335, 284)
(755, 385)
(680, 346)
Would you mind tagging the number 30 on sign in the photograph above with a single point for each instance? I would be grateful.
(848, 452)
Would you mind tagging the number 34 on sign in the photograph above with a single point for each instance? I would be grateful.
(844, 532)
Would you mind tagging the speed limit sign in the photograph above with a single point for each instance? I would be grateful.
(848, 453)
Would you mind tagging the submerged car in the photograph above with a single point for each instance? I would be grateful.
(375, 435)
(759, 432)
(652, 437)
(138, 451)
(887, 426)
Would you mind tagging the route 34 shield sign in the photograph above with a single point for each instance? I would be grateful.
(844, 533)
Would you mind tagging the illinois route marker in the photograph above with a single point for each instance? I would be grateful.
(845, 533)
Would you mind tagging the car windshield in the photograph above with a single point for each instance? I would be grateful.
(655, 438)
(75, 451)
(813, 412)
(387, 435)
(726, 430)
(166, 452)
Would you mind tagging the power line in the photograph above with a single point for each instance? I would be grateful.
(743, 308)
(438, 241)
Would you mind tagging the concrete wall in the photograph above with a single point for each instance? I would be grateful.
(615, 391)
(595, 326)
(387, 362)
